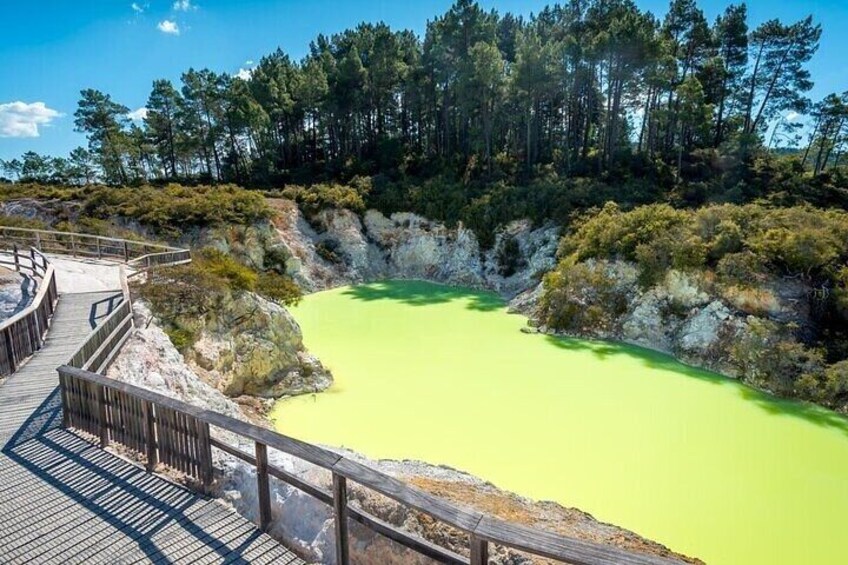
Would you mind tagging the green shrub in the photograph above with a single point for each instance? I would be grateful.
(236, 276)
(767, 355)
(21, 222)
(328, 250)
(169, 210)
(182, 338)
(313, 199)
(744, 268)
(278, 288)
(580, 298)
(836, 384)
(276, 259)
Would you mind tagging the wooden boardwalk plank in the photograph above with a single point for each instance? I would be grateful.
(67, 501)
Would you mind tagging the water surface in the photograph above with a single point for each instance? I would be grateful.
(698, 462)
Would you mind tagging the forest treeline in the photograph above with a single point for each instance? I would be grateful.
(585, 98)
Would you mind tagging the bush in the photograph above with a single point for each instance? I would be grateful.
(278, 288)
(799, 240)
(182, 338)
(744, 268)
(313, 199)
(169, 210)
(767, 355)
(328, 250)
(275, 260)
(581, 298)
(836, 384)
(21, 222)
(754, 301)
(236, 277)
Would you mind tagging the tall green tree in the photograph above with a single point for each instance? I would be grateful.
(163, 110)
(105, 122)
(779, 80)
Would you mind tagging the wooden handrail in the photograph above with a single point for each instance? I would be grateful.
(24, 333)
(172, 432)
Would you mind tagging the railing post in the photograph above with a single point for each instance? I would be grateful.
(263, 488)
(17, 260)
(10, 350)
(100, 392)
(73, 246)
(340, 517)
(32, 258)
(479, 551)
(99, 254)
(38, 241)
(150, 436)
(204, 448)
(66, 412)
(126, 252)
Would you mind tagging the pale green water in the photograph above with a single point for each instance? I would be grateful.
(698, 462)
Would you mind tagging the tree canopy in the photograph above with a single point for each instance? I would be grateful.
(597, 89)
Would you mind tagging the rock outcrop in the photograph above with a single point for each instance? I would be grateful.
(255, 347)
(340, 247)
(685, 314)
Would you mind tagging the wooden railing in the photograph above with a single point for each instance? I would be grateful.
(24, 333)
(176, 434)
(134, 253)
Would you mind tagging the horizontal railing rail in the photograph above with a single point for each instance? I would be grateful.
(24, 333)
(170, 432)
(83, 245)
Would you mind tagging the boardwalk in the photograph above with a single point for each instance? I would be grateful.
(64, 500)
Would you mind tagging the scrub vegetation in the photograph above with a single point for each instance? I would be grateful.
(168, 210)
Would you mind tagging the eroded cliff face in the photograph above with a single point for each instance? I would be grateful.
(150, 360)
(340, 247)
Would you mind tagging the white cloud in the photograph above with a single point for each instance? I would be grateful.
(184, 6)
(138, 114)
(167, 26)
(792, 116)
(244, 74)
(19, 119)
(249, 62)
(137, 8)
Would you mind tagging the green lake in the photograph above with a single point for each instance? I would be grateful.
(695, 461)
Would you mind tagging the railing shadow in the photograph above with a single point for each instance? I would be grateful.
(97, 310)
(134, 502)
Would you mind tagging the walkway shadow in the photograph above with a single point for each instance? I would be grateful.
(117, 492)
(423, 293)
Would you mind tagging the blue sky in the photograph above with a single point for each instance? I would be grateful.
(51, 49)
